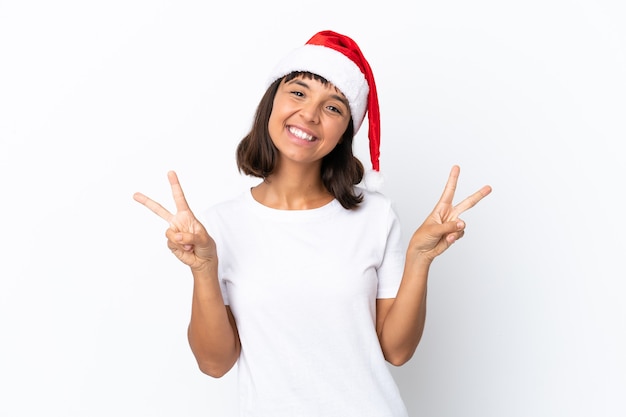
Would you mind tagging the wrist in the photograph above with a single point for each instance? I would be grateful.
(205, 269)
(419, 260)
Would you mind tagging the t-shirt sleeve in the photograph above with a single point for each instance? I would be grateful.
(392, 266)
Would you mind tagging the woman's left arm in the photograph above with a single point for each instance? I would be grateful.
(400, 321)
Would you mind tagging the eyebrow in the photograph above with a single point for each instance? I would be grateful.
(335, 96)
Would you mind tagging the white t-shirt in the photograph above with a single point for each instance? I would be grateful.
(302, 286)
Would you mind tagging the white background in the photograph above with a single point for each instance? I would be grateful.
(99, 99)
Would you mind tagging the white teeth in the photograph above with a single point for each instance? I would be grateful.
(300, 134)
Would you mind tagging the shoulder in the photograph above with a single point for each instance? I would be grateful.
(379, 209)
(226, 208)
(374, 200)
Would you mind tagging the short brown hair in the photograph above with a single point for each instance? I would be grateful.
(257, 155)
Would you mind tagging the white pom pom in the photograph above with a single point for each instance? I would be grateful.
(373, 180)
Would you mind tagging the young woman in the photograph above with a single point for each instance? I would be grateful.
(301, 280)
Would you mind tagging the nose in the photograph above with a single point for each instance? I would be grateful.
(310, 112)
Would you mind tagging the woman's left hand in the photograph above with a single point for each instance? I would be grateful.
(443, 226)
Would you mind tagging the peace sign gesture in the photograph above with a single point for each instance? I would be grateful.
(443, 226)
(186, 237)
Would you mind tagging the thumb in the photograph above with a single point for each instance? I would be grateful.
(454, 226)
(453, 230)
(447, 228)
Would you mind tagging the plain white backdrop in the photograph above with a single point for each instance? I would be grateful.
(100, 99)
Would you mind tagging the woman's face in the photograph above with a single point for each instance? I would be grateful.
(308, 119)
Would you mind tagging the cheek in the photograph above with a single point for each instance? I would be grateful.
(276, 115)
(341, 130)
(274, 126)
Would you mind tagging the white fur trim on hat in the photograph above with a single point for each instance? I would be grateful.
(373, 180)
(336, 68)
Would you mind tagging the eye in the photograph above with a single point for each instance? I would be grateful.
(297, 93)
(335, 109)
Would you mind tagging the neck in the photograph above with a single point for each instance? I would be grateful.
(297, 188)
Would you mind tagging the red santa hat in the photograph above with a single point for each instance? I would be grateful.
(339, 59)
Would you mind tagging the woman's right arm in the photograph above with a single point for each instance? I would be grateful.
(212, 330)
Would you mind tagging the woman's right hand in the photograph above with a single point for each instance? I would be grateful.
(186, 237)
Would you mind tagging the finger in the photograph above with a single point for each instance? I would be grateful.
(449, 232)
(438, 231)
(155, 207)
(177, 192)
(453, 237)
(472, 200)
(179, 246)
(184, 238)
(448, 192)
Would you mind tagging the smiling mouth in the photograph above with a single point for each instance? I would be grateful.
(300, 134)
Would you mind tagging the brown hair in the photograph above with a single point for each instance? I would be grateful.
(257, 155)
